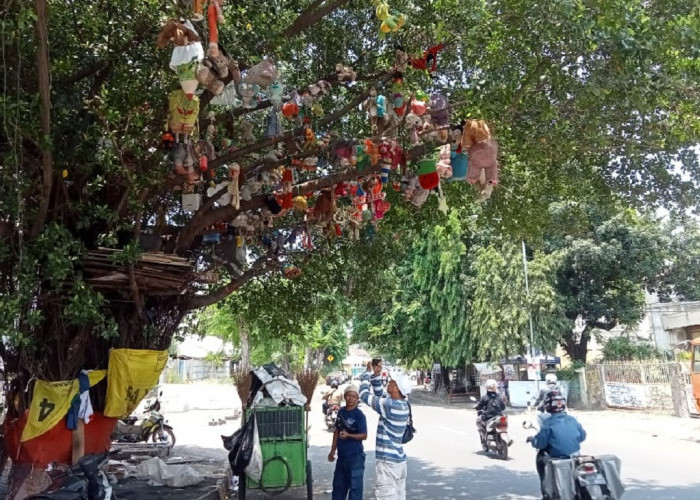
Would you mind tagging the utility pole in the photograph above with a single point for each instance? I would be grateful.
(529, 314)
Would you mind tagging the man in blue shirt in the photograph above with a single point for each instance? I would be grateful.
(560, 436)
(350, 431)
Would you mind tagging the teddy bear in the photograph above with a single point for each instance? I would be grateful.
(177, 33)
(247, 136)
(345, 73)
(444, 167)
(483, 156)
(413, 124)
(319, 88)
(262, 74)
(208, 80)
(186, 55)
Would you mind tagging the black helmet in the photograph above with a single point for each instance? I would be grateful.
(334, 384)
(555, 403)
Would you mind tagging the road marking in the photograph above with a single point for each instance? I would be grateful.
(452, 430)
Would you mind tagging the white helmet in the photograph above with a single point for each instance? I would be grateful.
(491, 384)
(551, 378)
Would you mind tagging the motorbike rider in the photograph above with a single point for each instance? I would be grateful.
(333, 397)
(550, 385)
(491, 405)
(560, 436)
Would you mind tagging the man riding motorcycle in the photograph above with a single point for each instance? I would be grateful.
(333, 397)
(560, 436)
(491, 405)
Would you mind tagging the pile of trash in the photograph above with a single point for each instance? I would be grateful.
(271, 386)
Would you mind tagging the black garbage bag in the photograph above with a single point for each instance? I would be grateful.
(230, 441)
(242, 450)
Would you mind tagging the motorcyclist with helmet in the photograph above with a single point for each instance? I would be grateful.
(551, 385)
(559, 437)
(333, 397)
(491, 405)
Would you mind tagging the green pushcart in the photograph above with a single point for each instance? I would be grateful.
(283, 442)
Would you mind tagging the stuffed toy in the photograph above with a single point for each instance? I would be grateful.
(179, 34)
(272, 126)
(428, 61)
(418, 107)
(317, 109)
(183, 113)
(275, 93)
(234, 172)
(249, 93)
(198, 9)
(309, 140)
(215, 16)
(483, 156)
(218, 64)
(391, 22)
(186, 55)
(398, 101)
(325, 206)
(372, 151)
(428, 129)
(345, 73)
(413, 124)
(319, 88)
(262, 74)
(401, 59)
(209, 81)
(247, 136)
(300, 204)
(204, 151)
(444, 167)
(290, 110)
(428, 178)
(371, 108)
(458, 160)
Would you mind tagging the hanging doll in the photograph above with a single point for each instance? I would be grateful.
(247, 136)
(262, 74)
(187, 52)
(275, 93)
(428, 61)
(458, 160)
(413, 124)
(249, 94)
(397, 87)
(234, 173)
(483, 156)
(183, 114)
(391, 22)
(440, 115)
(272, 125)
(371, 108)
(215, 16)
(444, 167)
(345, 73)
(288, 176)
(197, 10)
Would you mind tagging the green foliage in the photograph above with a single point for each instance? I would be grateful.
(215, 359)
(626, 348)
(570, 372)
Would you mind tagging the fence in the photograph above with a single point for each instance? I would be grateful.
(189, 370)
(648, 385)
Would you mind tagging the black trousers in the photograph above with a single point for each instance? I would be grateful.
(541, 464)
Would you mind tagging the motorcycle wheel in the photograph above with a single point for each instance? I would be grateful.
(502, 450)
(163, 435)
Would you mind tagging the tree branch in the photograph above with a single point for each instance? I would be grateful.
(42, 63)
(259, 267)
(311, 16)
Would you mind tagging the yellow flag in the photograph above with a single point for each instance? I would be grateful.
(51, 402)
(131, 373)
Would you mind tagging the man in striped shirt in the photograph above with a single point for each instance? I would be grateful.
(393, 412)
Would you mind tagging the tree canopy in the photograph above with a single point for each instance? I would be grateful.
(589, 100)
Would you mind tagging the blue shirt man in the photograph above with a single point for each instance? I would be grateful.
(350, 431)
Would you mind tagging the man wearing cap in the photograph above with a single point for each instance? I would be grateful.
(393, 412)
(350, 431)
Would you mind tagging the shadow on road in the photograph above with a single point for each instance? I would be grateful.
(649, 489)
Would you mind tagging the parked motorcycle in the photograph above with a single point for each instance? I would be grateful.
(494, 435)
(85, 480)
(331, 416)
(589, 477)
(153, 427)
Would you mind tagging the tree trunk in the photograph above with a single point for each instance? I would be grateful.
(577, 350)
(245, 345)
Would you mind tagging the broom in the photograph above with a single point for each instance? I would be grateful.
(308, 379)
(242, 379)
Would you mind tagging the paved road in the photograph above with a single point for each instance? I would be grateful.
(659, 454)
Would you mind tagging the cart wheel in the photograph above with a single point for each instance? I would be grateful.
(309, 481)
(241, 487)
